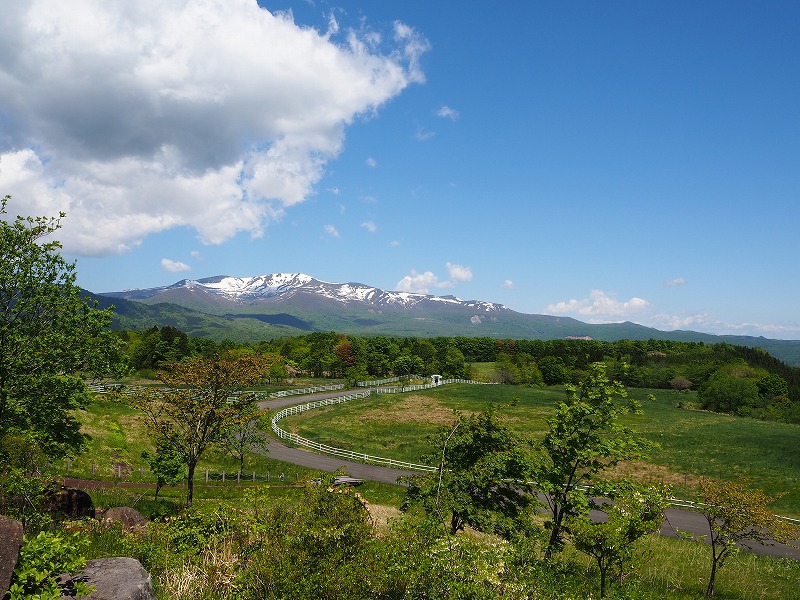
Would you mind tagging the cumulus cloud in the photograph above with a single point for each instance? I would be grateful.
(459, 272)
(708, 324)
(678, 281)
(418, 283)
(600, 307)
(508, 284)
(140, 117)
(371, 162)
(447, 113)
(331, 231)
(370, 226)
(174, 266)
(422, 283)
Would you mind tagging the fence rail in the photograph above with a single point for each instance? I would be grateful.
(349, 454)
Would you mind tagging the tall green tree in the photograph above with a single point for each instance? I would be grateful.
(483, 467)
(585, 437)
(50, 337)
(201, 400)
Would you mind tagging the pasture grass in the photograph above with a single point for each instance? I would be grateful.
(689, 444)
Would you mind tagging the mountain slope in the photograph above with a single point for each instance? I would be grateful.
(267, 306)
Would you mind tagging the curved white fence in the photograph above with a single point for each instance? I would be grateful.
(306, 391)
(349, 454)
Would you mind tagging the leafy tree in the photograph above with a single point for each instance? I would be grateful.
(553, 370)
(585, 437)
(635, 512)
(202, 399)
(481, 475)
(49, 337)
(680, 384)
(167, 465)
(730, 389)
(737, 514)
(245, 433)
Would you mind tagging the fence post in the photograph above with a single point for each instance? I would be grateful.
(119, 471)
(206, 475)
(69, 464)
(238, 476)
(223, 477)
(267, 476)
(254, 476)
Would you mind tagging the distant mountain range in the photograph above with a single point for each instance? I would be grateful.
(286, 304)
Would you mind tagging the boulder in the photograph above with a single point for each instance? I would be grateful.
(130, 518)
(10, 543)
(70, 501)
(113, 579)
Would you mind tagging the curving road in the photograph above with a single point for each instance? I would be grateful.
(675, 519)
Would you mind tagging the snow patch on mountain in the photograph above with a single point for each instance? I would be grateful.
(248, 289)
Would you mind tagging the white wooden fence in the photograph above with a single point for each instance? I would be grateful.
(349, 454)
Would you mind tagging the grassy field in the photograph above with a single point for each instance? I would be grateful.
(691, 444)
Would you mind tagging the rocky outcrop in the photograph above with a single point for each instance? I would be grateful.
(113, 579)
(70, 501)
(130, 518)
(10, 543)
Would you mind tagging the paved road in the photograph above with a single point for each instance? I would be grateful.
(675, 519)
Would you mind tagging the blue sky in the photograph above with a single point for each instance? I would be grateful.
(608, 161)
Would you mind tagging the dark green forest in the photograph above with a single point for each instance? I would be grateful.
(733, 379)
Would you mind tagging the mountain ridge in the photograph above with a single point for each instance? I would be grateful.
(251, 309)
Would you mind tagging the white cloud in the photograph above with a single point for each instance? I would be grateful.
(174, 266)
(370, 226)
(418, 283)
(678, 281)
(371, 162)
(394, 243)
(508, 284)
(458, 272)
(423, 135)
(600, 307)
(447, 113)
(140, 117)
(197, 255)
(331, 231)
(422, 283)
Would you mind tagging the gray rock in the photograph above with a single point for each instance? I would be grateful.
(130, 518)
(10, 543)
(115, 579)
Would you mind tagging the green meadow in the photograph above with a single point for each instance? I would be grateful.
(689, 444)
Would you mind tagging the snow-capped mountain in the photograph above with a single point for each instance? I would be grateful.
(283, 287)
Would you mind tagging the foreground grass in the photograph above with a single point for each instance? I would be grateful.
(669, 570)
(690, 444)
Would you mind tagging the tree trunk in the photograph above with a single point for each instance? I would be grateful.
(710, 588)
(190, 483)
(555, 534)
(603, 581)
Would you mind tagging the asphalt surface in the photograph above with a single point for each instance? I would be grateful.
(675, 519)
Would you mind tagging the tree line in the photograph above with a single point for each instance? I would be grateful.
(728, 378)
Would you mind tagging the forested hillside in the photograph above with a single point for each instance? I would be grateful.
(728, 378)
